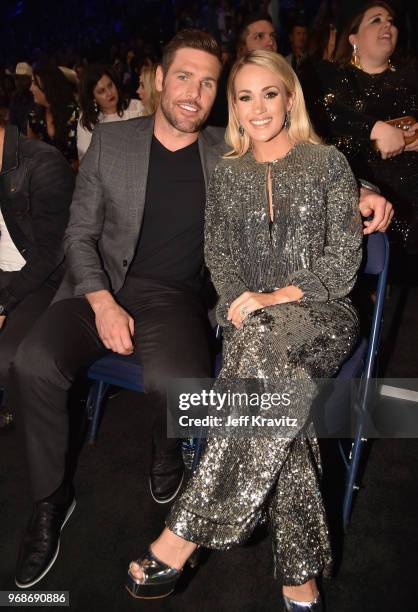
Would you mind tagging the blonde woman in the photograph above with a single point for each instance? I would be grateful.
(147, 91)
(283, 244)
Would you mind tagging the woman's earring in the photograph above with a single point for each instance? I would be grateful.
(96, 106)
(241, 131)
(355, 58)
(286, 124)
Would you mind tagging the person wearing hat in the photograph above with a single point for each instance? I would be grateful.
(22, 101)
(23, 69)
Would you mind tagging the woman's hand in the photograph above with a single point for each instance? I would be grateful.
(249, 302)
(389, 140)
(413, 146)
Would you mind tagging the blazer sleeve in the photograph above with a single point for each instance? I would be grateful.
(218, 255)
(85, 226)
(51, 184)
(333, 275)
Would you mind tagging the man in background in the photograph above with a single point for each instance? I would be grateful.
(36, 186)
(257, 33)
(298, 38)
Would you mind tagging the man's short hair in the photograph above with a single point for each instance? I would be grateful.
(297, 24)
(190, 38)
(250, 19)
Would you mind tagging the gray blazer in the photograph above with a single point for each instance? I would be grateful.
(108, 203)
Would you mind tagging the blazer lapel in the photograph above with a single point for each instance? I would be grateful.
(137, 161)
(210, 153)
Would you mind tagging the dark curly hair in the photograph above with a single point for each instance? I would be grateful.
(89, 79)
(59, 94)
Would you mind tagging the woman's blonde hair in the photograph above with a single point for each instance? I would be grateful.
(300, 128)
(148, 76)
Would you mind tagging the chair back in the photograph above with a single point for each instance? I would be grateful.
(376, 253)
(377, 263)
(331, 415)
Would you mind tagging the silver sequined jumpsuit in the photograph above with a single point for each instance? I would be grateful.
(313, 242)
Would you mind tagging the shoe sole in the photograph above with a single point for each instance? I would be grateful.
(54, 558)
(148, 597)
(169, 499)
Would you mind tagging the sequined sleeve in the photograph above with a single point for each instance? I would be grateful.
(344, 107)
(333, 275)
(218, 256)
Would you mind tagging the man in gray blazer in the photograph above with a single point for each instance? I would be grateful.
(134, 251)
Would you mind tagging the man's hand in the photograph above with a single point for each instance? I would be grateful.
(249, 302)
(114, 325)
(2, 320)
(372, 203)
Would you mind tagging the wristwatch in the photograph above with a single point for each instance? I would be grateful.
(3, 311)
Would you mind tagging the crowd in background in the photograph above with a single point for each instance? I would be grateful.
(81, 63)
(359, 77)
(127, 34)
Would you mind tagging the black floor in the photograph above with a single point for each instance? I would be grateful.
(115, 518)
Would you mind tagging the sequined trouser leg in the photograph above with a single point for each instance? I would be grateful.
(239, 478)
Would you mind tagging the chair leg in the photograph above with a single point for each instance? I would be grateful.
(91, 398)
(198, 444)
(99, 391)
(187, 451)
(351, 481)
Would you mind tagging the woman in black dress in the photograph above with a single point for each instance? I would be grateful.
(366, 91)
(55, 116)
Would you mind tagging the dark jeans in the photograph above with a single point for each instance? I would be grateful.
(19, 322)
(171, 341)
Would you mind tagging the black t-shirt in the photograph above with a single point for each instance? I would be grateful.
(170, 247)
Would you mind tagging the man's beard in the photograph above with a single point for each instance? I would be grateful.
(189, 126)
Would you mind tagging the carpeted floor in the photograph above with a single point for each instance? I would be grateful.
(116, 518)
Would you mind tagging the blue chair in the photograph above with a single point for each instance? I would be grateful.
(112, 369)
(336, 414)
(363, 364)
(125, 372)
